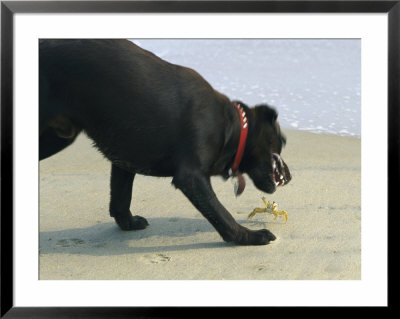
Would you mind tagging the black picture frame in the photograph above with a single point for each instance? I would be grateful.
(9, 8)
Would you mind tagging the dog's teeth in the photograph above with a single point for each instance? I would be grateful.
(281, 177)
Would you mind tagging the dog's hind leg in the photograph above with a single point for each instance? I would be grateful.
(121, 195)
(50, 143)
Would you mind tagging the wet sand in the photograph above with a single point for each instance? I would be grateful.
(320, 241)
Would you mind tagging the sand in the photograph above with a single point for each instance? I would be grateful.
(320, 241)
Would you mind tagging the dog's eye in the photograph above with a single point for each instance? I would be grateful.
(283, 140)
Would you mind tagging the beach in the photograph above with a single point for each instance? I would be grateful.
(321, 239)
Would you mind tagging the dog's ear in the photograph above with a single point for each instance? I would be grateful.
(266, 113)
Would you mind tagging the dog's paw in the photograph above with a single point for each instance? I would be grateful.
(132, 222)
(261, 237)
(256, 237)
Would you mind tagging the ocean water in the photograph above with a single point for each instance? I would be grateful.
(314, 84)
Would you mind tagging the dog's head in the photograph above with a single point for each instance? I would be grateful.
(262, 160)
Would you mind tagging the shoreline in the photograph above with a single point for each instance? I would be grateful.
(321, 239)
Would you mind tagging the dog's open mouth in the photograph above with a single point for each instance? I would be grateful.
(280, 171)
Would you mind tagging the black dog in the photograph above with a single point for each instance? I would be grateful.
(155, 118)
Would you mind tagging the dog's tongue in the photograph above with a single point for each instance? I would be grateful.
(240, 184)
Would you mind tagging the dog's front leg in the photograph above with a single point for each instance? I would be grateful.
(197, 187)
(121, 194)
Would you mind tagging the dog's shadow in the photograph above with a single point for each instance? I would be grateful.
(107, 239)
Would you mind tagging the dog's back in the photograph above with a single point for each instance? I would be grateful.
(125, 98)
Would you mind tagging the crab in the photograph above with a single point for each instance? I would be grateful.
(270, 208)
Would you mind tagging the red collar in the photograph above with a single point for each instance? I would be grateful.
(244, 127)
